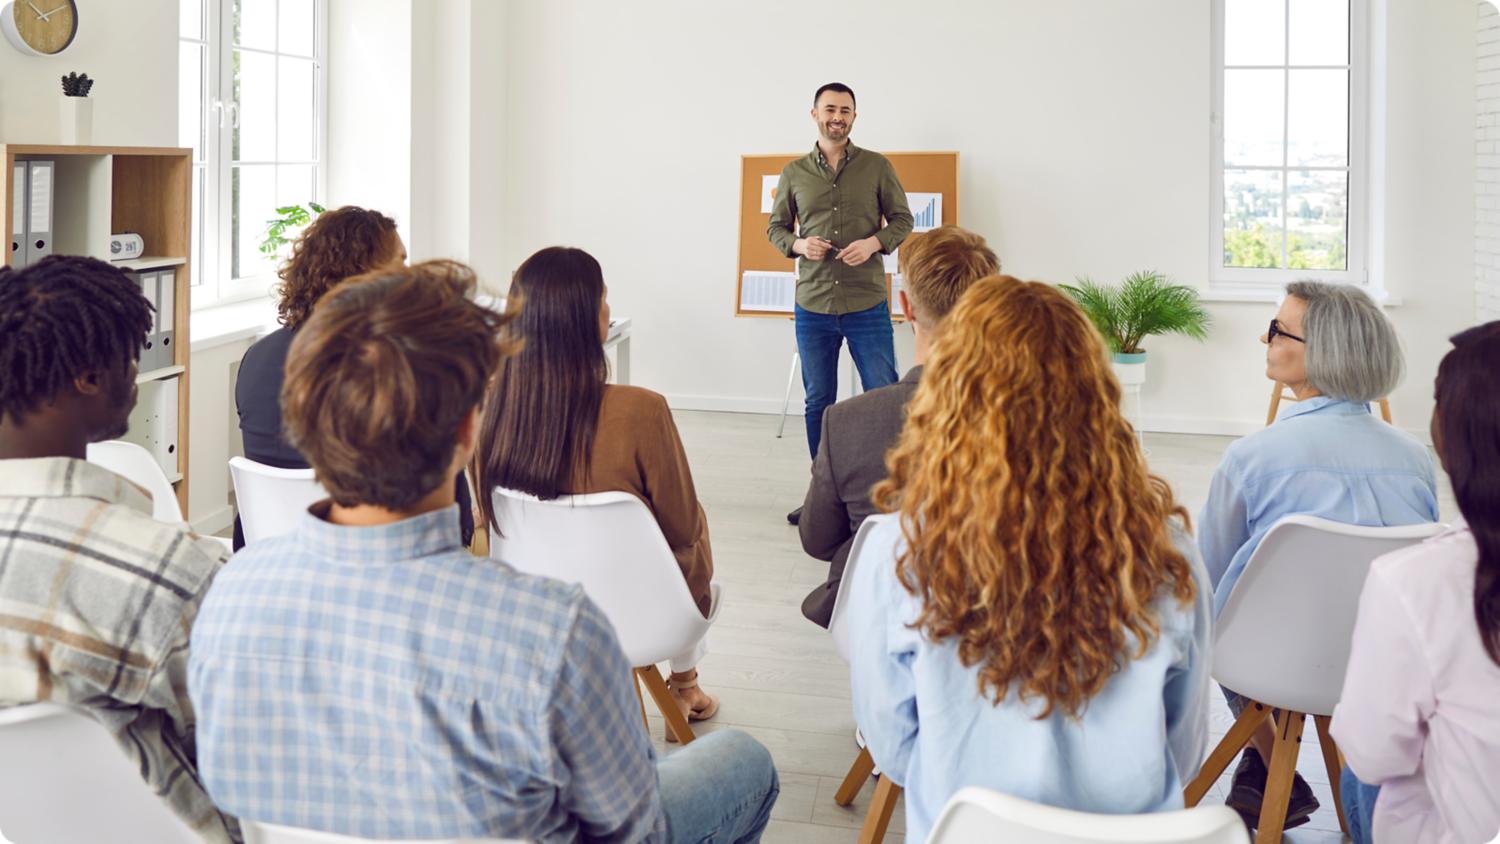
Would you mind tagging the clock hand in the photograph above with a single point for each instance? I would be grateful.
(38, 11)
(51, 13)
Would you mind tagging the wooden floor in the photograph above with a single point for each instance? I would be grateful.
(778, 675)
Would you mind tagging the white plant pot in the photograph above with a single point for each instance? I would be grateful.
(1130, 373)
(77, 115)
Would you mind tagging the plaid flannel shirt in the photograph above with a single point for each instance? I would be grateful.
(383, 682)
(97, 600)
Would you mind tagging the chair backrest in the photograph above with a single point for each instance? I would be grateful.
(610, 543)
(64, 780)
(266, 833)
(838, 623)
(982, 816)
(1284, 634)
(271, 500)
(135, 464)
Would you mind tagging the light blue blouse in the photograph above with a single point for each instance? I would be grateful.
(1323, 457)
(1135, 746)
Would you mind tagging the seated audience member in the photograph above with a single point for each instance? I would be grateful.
(1326, 456)
(1418, 718)
(937, 267)
(339, 244)
(1038, 621)
(365, 675)
(554, 427)
(98, 597)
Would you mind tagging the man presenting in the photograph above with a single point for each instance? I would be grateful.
(835, 196)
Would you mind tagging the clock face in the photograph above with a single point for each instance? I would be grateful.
(46, 26)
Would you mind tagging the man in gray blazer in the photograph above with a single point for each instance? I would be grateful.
(937, 267)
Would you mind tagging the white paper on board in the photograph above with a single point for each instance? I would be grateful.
(926, 210)
(768, 291)
(768, 192)
(895, 299)
(890, 259)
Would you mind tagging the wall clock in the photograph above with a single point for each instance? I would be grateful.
(40, 27)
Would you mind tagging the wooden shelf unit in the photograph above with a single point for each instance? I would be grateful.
(99, 191)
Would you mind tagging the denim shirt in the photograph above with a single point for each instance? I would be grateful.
(1323, 457)
(1138, 743)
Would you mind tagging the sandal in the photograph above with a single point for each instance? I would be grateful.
(703, 714)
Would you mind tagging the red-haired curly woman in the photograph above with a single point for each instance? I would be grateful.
(1034, 617)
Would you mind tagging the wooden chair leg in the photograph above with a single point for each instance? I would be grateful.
(879, 816)
(1234, 741)
(863, 766)
(1333, 760)
(636, 675)
(1283, 767)
(1275, 402)
(1385, 411)
(657, 686)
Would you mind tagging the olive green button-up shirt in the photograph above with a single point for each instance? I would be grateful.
(842, 206)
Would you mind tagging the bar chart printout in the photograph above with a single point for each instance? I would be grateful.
(768, 291)
(926, 210)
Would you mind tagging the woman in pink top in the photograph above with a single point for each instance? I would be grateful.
(1419, 717)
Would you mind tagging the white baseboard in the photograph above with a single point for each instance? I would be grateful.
(214, 522)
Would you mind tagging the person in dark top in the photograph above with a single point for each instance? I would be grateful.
(339, 244)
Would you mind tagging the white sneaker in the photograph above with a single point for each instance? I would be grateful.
(859, 739)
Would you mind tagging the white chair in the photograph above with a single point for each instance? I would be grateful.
(272, 500)
(64, 780)
(610, 543)
(135, 464)
(266, 833)
(886, 792)
(1283, 638)
(983, 816)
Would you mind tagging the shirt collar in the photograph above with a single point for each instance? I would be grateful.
(1457, 526)
(849, 150)
(69, 477)
(427, 535)
(1317, 403)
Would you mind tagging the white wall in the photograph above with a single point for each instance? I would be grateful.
(370, 106)
(130, 49)
(1084, 138)
(1487, 177)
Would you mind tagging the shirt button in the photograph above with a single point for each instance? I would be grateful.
(835, 208)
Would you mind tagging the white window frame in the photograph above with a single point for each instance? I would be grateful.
(1225, 279)
(216, 287)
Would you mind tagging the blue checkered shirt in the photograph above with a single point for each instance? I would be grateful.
(382, 682)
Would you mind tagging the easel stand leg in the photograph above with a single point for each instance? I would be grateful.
(786, 400)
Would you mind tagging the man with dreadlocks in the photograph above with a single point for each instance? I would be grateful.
(99, 598)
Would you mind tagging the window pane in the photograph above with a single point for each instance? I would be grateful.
(1317, 219)
(294, 104)
(1252, 218)
(190, 75)
(1319, 32)
(253, 206)
(294, 185)
(200, 207)
(255, 93)
(1254, 32)
(1253, 117)
(255, 24)
(296, 24)
(190, 19)
(1318, 115)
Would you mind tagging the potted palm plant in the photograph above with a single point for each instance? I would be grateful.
(1146, 303)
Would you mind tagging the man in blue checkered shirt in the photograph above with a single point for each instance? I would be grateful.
(366, 675)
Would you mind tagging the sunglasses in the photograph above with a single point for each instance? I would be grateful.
(1276, 329)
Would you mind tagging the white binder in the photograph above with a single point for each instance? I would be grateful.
(39, 218)
(149, 356)
(18, 217)
(166, 319)
(153, 422)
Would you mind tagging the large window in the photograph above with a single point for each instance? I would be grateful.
(1288, 146)
(253, 108)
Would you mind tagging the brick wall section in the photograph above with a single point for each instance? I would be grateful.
(1487, 175)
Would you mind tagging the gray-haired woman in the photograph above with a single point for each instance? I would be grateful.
(1325, 456)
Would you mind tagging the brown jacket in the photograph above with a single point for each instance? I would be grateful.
(637, 450)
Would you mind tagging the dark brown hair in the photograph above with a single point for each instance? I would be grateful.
(939, 265)
(1036, 536)
(1468, 421)
(380, 377)
(339, 244)
(538, 427)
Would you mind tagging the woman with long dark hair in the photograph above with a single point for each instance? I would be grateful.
(552, 426)
(1419, 718)
(1038, 620)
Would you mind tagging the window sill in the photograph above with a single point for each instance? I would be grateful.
(224, 324)
(1273, 297)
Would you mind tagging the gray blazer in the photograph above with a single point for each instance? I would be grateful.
(851, 459)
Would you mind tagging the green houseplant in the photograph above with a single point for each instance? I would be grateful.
(1146, 303)
(290, 217)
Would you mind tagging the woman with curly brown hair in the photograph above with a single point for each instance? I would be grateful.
(1035, 617)
(339, 244)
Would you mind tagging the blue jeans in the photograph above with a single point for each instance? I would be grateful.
(1359, 806)
(872, 344)
(718, 790)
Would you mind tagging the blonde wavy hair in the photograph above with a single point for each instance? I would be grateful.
(1034, 532)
